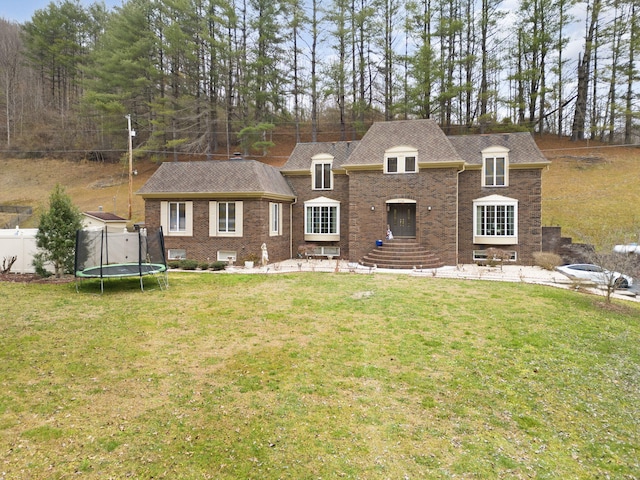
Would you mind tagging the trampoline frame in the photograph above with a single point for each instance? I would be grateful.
(125, 269)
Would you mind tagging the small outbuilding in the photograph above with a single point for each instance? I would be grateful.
(99, 219)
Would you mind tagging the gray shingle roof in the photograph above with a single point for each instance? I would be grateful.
(522, 147)
(241, 177)
(300, 158)
(424, 135)
(105, 216)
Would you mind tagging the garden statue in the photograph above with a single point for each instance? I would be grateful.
(265, 255)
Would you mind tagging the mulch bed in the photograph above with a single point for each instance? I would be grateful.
(34, 278)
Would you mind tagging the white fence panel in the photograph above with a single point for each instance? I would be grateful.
(21, 244)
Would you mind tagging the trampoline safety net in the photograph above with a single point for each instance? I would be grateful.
(102, 254)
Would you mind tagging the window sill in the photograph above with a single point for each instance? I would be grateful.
(321, 237)
(226, 235)
(495, 240)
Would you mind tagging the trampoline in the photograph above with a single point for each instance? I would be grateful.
(122, 270)
(103, 254)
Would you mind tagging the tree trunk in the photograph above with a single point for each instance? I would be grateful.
(584, 63)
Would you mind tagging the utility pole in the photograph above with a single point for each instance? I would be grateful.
(131, 135)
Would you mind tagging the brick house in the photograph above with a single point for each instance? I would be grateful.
(220, 210)
(453, 196)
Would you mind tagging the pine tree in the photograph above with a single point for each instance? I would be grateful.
(57, 232)
(422, 62)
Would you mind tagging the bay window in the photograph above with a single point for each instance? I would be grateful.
(495, 220)
(322, 219)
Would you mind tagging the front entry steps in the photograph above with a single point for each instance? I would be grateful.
(401, 253)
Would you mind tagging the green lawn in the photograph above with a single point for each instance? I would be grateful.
(307, 376)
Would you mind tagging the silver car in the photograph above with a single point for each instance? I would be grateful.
(587, 272)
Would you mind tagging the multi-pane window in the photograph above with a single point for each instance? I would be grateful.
(392, 165)
(495, 220)
(177, 217)
(322, 176)
(226, 217)
(321, 219)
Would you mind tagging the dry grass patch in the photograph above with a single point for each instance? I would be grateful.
(591, 189)
(29, 182)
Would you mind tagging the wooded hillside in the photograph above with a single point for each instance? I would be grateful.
(209, 77)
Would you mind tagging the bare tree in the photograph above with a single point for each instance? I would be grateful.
(631, 71)
(584, 66)
(296, 23)
(315, 36)
(615, 265)
(10, 54)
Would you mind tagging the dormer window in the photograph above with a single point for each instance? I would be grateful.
(495, 167)
(322, 172)
(402, 159)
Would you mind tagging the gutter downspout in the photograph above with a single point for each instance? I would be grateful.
(295, 201)
(458, 214)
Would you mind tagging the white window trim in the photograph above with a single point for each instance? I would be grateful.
(400, 153)
(164, 219)
(213, 220)
(482, 256)
(322, 237)
(321, 159)
(492, 153)
(176, 254)
(226, 256)
(495, 200)
(275, 230)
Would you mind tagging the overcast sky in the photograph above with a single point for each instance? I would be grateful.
(22, 10)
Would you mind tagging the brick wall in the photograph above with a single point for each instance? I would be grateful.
(554, 242)
(202, 247)
(435, 228)
(360, 226)
(301, 185)
(525, 186)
